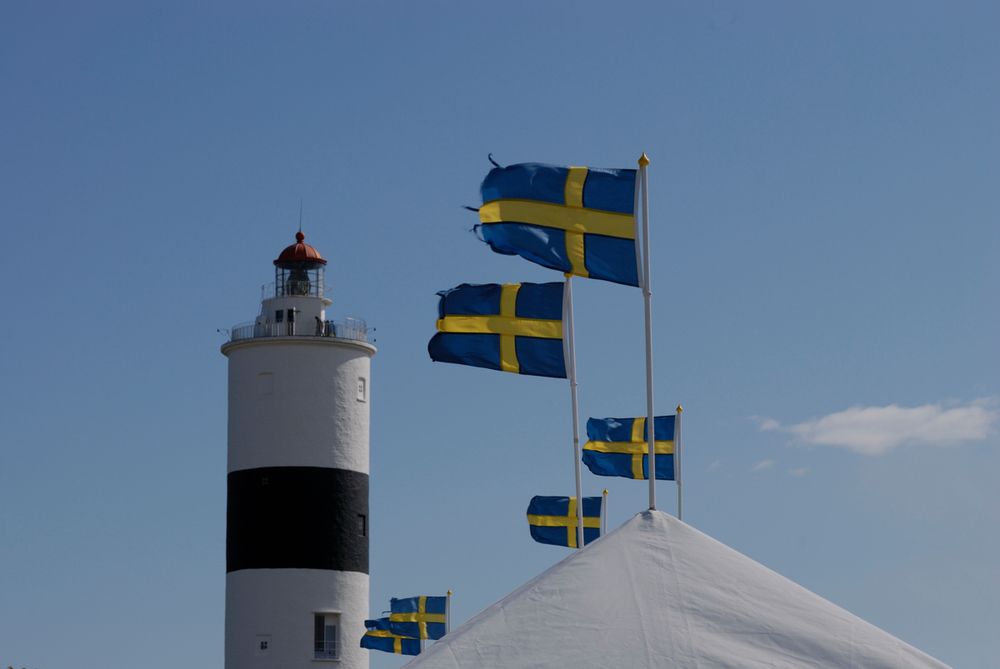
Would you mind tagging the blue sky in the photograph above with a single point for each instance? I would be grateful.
(825, 250)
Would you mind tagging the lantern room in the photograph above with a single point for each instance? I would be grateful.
(299, 270)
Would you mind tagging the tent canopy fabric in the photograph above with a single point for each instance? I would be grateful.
(658, 593)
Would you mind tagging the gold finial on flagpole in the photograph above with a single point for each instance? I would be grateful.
(680, 409)
(643, 160)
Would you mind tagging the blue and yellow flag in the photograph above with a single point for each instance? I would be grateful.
(419, 617)
(617, 447)
(553, 520)
(511, 327)
(578, 220)
(378, 637)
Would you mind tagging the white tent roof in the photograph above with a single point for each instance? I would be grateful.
(658, 593)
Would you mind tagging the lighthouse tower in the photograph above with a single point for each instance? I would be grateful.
(297, 511)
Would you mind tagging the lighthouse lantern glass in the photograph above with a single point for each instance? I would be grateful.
(303, 278)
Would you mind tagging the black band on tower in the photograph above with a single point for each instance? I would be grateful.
(297, 517)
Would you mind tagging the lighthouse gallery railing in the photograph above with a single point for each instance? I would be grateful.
(349, 328)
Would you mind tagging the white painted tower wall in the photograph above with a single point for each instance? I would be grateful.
(296, 402)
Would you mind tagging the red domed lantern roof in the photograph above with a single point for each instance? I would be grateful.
(299, 252)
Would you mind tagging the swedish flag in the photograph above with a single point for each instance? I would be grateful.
(419, 617)
(617, 447)
(553, 519)
(578, 220)
(378, 637)
(511, 327)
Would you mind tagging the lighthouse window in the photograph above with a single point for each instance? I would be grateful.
(263, 643)
(265, 383)
(279, 316)
(363, 524)
(362, 389)
(325, 636)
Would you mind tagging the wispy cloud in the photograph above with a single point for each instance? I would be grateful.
(766, 424)
(763, 465)
(799, 471)
(878, 430)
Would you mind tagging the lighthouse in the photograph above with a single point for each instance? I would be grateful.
(297, 507)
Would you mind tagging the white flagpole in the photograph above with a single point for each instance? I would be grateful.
(677, 461)
(647, 294)
(570, 351)
(447, 613)
(604, 512)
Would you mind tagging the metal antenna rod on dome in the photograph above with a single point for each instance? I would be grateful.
(300, 214)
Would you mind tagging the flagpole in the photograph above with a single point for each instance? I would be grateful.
(604, 513)
(447, 613)
(570, 350)
(647, 295)
(677, 461)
